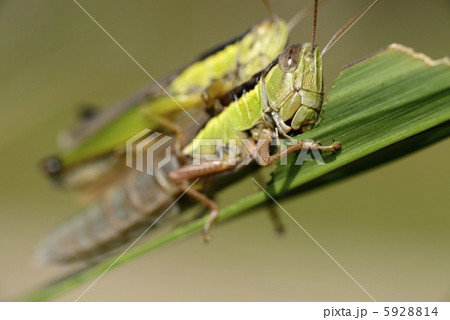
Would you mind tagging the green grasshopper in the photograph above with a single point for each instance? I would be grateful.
(94, 163)
(214, 73)
(285, 97)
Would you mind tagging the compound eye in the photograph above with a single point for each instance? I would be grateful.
(289, 58)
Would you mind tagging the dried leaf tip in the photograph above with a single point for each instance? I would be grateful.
(419, 56)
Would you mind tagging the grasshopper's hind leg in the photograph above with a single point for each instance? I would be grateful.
(187, 172)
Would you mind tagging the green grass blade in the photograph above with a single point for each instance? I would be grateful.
(388, 105)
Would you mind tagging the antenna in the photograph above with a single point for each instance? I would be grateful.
(346, 27)
(270, 9)
(313, 36)
(301, 15)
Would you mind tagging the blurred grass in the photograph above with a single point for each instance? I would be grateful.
(395, 98)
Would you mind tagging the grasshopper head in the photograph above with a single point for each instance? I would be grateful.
(265, 41)
(302, 66)
(299, 94)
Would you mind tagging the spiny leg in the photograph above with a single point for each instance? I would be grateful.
(181, 175)
(213, 214)
(262, 149)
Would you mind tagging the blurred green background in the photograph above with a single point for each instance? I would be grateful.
(388, 227)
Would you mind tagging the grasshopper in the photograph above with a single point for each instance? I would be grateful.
(94, 163)
(125, 206)
(284, 98)
(200, 83)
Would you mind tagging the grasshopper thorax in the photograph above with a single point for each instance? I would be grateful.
(295, 88)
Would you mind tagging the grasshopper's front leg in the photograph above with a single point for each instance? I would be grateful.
(261, 151)
(187, 172)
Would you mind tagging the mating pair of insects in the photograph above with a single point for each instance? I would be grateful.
(252, 88)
